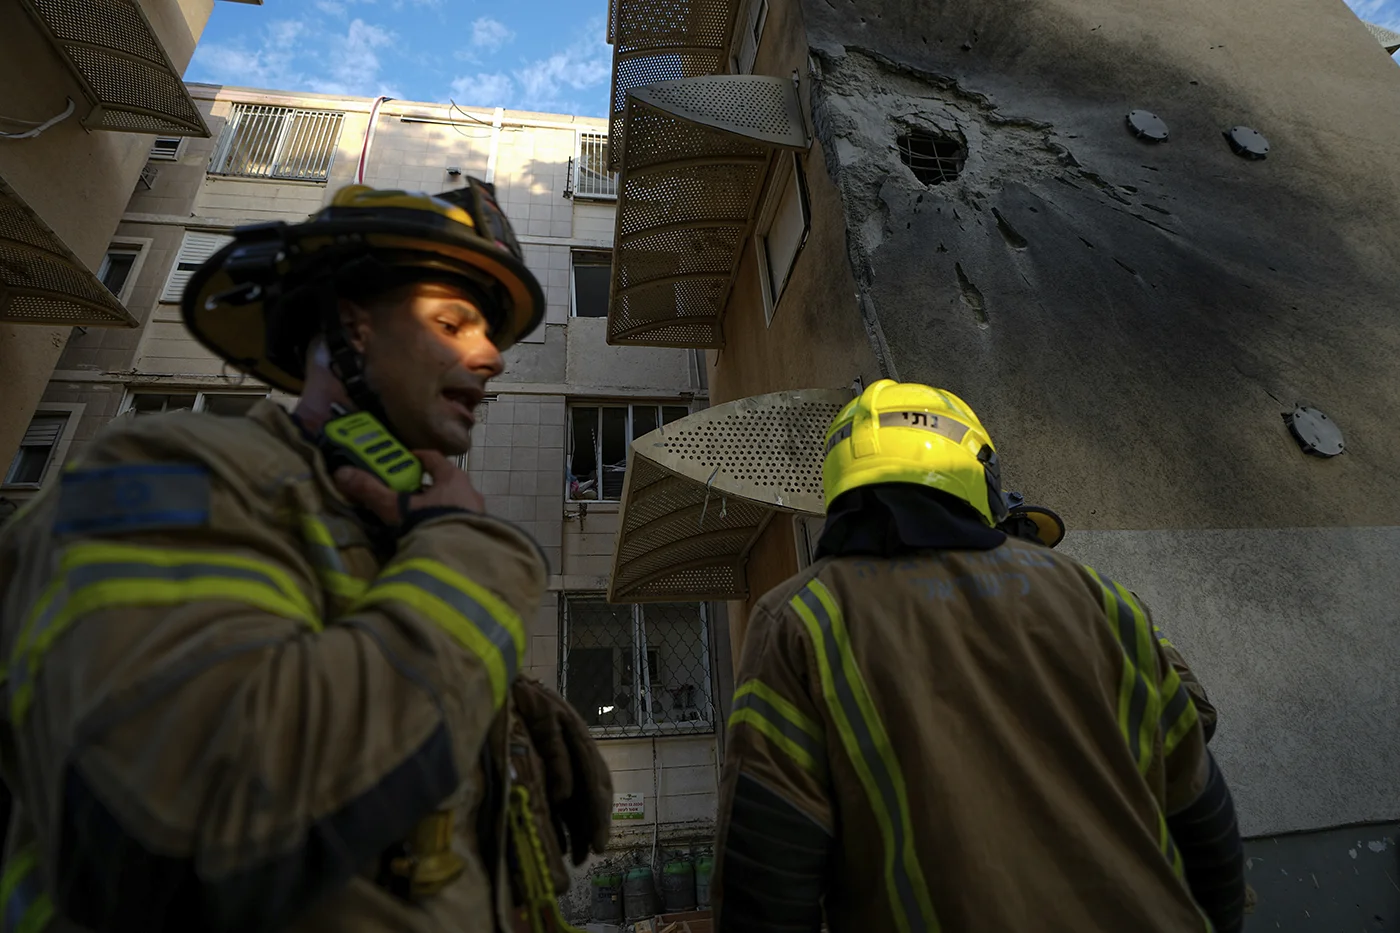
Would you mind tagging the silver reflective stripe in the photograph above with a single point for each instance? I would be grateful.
(865, 741)
(326, 557)
(88, 574)
(797, 735)
(924, 421)
(496, 633)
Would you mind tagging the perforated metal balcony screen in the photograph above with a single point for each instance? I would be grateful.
(115, 56)
(41, 281)
(699, 491)
(662, 40)
(691, 185)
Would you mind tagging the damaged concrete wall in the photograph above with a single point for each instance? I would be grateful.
(1132, 319)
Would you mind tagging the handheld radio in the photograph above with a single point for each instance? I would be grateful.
(364, 443)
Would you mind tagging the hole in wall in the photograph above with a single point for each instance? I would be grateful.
(933, 157)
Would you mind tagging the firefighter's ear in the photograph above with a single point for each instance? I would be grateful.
(356, 321)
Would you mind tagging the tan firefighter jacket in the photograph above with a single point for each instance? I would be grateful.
(979, 740)
(222, 709)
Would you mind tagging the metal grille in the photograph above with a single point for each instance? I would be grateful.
(693, 172)
(591, 176)
(933, 159)
(698, 494)
(261, 141)
(41, 281)
(663, 40)
(119, 62)
(635, 670)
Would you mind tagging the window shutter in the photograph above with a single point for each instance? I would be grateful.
(44, 431)
(196, 248)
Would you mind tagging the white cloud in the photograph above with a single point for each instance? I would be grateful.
(354, 62)
(490, 34)
(483, 90)
(274, 65)
(1381, 12)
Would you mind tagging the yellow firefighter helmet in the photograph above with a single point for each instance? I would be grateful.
(904, 432)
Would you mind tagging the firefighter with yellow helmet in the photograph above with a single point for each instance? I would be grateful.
(938, 726)
(263, 673)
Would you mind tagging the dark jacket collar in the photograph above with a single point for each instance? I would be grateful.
(889, 519)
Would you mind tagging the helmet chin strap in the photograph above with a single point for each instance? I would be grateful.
(347, 364)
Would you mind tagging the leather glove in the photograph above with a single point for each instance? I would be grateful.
(577, 779)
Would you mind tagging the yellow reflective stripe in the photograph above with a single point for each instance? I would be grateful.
(101, 575)
(24, 906)
(1138, 705)
(871, 753)
(19, 866)
(325, 554)
(761, 707)
(1169, 846)
(37, 917)
(479, 620)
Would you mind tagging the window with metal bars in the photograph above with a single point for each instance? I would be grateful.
(261, 141)
(591, 176)
(604, 677)
(600, 442)
(36, 449)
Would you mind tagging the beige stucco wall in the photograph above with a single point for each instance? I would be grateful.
(78, 182)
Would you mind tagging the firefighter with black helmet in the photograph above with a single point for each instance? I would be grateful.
(940, 726)
(263, 673)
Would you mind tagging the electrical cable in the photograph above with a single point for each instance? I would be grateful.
(30, 134)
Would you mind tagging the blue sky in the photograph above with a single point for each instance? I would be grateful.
(546, 55)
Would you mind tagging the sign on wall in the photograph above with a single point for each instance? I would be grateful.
(629, 807)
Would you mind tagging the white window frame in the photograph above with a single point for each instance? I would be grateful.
(573, 264)
(753, 17)
(195, 247)
(73, 412)
(788, 170)
(273, 152)
(601, 135)
(141, 247)
(629, 405)
(127, 409)
(166, 155)
(640, 646)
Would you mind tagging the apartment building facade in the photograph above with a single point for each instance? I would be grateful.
(1149, 254)
(87, 89)
(551, 447)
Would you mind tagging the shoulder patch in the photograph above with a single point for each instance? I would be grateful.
(133, 497)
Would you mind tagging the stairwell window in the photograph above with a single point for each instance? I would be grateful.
(600, 437)
(194, 249)
(261, 141)
(638, 669)
(782, 231)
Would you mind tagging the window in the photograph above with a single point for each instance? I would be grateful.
(36, 450)
(601, 437)
(140, 404)
(748, 47)
(194, 250)
(604, 676)
(807, 532)
(115, 271)
(592, 283)
(591, 176)
(783, 230)
(277, 142)
(166, 148)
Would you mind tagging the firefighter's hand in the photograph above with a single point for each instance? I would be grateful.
(451, 488)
